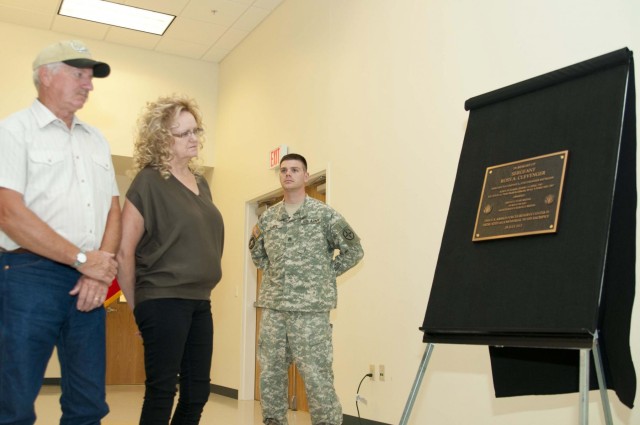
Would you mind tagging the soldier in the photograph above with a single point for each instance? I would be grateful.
(294, 243)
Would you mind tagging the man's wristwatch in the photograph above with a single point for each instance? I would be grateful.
(81, 258)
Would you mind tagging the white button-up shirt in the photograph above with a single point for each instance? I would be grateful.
(65, 175)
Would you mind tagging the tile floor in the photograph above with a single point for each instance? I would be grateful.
(125, 402)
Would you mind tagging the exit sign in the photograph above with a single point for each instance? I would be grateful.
(277, 154)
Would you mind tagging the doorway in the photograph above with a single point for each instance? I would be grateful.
(316, 188)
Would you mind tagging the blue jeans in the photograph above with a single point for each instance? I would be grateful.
(37, 314)
(178, 341)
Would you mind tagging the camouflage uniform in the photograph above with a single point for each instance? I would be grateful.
(298, 290)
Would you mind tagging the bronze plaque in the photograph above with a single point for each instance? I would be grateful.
(521, 198)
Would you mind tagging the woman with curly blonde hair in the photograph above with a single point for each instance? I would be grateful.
(169, 260)
(154, 140)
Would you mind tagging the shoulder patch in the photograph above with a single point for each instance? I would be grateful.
(256, 231)
(344, 231)
(348, 234)
(255, 234)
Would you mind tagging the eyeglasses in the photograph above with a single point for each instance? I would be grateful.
(196, 132)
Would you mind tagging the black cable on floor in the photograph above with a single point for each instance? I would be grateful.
(368, 375)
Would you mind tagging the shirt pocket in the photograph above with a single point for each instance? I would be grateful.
(49, 172)
(275, 241)
(102, 170)
(313, 238)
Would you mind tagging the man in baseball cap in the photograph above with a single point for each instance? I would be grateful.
(59, 231)
(73, 53)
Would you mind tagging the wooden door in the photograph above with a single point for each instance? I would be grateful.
(297, 394)
(125, 352)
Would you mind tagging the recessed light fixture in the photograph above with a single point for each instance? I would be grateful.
(119, 15)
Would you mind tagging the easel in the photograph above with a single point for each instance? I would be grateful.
(537, 297)
(583, 383)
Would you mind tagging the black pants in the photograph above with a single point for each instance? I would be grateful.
(178, 342)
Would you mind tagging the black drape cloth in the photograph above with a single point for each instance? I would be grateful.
(541, 297)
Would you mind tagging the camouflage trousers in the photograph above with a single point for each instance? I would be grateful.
(304, 338)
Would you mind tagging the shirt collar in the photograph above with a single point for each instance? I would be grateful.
(302, 211)
(45, 117)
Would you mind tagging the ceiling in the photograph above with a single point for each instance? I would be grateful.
(203, 29)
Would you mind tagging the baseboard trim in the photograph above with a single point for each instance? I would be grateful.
(214, 389)
(224, 391)
(354, 420)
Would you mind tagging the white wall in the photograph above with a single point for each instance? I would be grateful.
(373, 91)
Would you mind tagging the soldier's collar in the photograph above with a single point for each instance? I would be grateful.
(301, 212)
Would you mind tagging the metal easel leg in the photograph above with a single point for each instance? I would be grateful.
(584, 386)
(416, 385)
(602, 383)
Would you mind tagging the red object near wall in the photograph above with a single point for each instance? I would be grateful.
(113, 294)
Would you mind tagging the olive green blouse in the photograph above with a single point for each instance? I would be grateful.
(180, 250)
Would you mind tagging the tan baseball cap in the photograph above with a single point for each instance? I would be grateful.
(73, 53)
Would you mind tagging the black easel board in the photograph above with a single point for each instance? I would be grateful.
(550, 290)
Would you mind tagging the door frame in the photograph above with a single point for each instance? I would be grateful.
(248, 339)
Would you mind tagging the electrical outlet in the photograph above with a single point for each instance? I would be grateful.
(372, 371)
(381, 372)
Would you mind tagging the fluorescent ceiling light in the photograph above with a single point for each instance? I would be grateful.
(116, 14)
